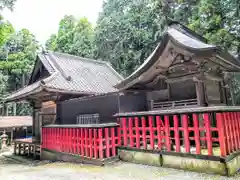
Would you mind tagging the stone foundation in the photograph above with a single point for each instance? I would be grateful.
(66, 157)
(140, 157)
(193, 164)
(215, 165)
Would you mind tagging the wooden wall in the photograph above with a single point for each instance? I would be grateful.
(133, 102)
(48, 107)
(106, 106)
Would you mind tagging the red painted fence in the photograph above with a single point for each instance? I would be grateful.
(89, 141)
(193, 133)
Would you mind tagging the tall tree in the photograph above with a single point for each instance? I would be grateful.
(73, 37)
(6, 29)
(21, 50)
(7, 4)
(83, 39)
(128, 31)
(65, 34)
(19, 56)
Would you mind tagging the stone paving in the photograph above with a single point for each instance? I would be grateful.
(13, 170)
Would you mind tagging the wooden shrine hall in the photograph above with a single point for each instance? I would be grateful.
(184, 71)
(57, 77)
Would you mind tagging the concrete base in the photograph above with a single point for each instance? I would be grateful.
(193, 164)
(140, 157)
(65, 157)
(233, 165)
(216, 165)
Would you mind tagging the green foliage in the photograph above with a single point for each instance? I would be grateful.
(7, 4)
(17, 55)
(6, 29)
(73, 37)
(128, 31)
(3, 82)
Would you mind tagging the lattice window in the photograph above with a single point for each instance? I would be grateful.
(88, 119)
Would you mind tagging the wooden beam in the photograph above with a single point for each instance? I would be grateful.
(180, 78)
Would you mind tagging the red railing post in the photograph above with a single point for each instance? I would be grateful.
(107, 142)
(229, 124)
(221, 134)
(144, 139)
(176, 133)
(55, 139)
(100, 141)
(119, 131)
(113, 140)
(159, 132)
(196, 133)
(95, 143)
(228, 139)
(90, 143)
(208, 133)
(71, 140)
(67, 139)
(130, 129)
(82, 142)
(50, 138)
(167, 133)
(86, 142)
(238, 128)
(137, 132)
(124, 127)
(232, 119)
(186, 133)
(75, 141)
(150, 119)
(78, 142)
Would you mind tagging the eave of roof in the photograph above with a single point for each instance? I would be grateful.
(15, 121)
(38, 87)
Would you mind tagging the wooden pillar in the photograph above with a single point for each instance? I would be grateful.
(14, 108)
(33, 124)
(26, 132)
(200, 93)
(40, 128)
(202, 101)
(6, 109)
(11, 136)
(231, 92)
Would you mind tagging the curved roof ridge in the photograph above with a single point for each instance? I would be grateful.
(80, 58)
(172, 23)
(188, 42)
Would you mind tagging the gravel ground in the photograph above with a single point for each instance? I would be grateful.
(12, 170)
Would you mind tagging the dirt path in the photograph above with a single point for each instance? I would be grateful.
(12, 170)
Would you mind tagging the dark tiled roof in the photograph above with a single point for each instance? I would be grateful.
(73, 75)
(15, 121)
